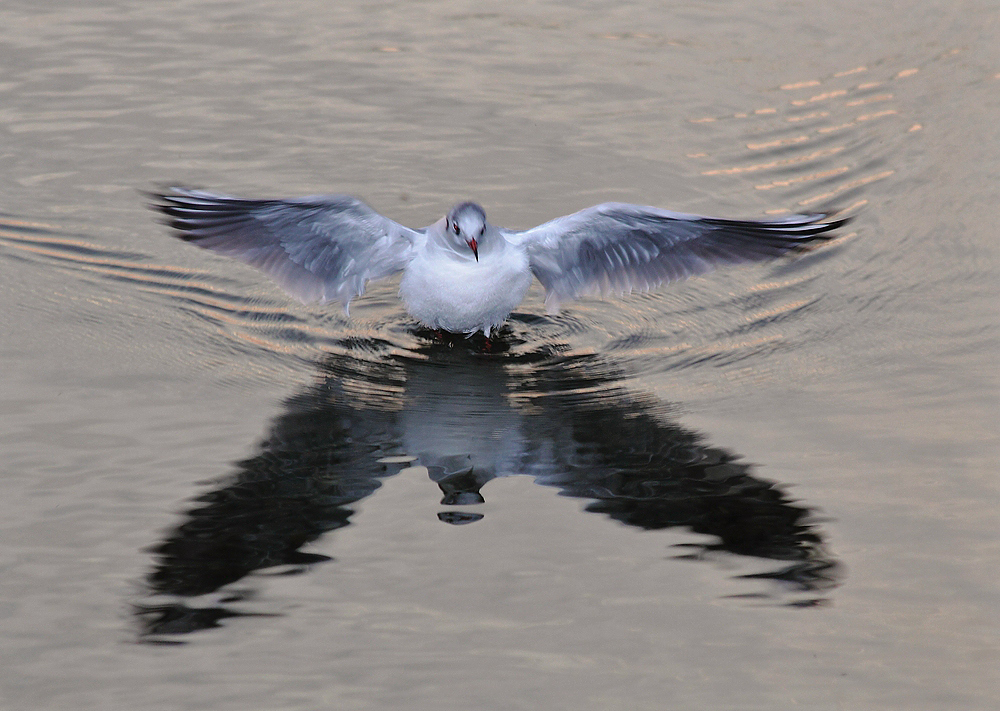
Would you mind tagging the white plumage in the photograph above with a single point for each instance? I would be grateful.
(463, 274)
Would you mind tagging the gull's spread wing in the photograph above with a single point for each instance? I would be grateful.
(618, 248)
(317, 248)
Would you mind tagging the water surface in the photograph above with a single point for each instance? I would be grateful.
(766, 488)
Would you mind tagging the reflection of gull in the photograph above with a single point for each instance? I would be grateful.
(566, 422)
(463, 274)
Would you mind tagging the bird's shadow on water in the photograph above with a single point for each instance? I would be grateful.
(470, 412)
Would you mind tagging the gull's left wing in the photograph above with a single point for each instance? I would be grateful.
(619, 248)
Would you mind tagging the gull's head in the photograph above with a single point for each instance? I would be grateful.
(466, 224)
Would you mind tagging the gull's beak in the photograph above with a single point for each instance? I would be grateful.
(474, 246)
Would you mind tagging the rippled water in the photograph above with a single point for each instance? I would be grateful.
(767, 488)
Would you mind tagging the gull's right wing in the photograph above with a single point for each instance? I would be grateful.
(317, 248)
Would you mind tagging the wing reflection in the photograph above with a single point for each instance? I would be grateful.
(566, 421)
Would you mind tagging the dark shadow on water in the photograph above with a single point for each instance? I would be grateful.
(470, 412)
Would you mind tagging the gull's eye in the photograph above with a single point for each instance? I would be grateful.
(454, 226)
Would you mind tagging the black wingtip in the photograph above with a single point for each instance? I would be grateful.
(161, 197)
(157, 200)
(171, 200)
(826, 227)
(820, 231)
(794, 233)
(163, 191)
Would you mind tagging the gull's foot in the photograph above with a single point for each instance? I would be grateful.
(491, 345)
(499, 342)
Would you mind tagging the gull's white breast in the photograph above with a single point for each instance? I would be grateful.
(444, 290)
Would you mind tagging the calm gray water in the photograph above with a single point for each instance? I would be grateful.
(769, 488)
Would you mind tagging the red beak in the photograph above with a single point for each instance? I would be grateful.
(474, 246)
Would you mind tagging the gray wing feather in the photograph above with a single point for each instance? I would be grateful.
(618, 248)
(317, 248)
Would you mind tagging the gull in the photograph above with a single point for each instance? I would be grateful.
(463, 274)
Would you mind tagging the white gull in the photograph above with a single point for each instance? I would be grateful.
(462, 274)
